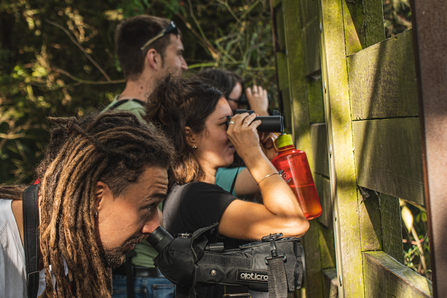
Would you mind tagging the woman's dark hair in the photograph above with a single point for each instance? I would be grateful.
(174, 104)
(223, 80)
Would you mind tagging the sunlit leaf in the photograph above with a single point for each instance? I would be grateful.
(407, 217)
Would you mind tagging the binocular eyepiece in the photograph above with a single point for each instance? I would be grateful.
(160, 238)
(273, 123)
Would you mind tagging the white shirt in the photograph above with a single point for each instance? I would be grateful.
(12, 257)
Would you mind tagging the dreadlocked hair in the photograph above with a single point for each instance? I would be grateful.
(12, 192)
(114, 148)
(174, 104)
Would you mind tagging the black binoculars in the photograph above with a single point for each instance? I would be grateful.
(273, 123)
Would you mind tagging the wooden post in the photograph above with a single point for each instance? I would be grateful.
(341, 159)
(430, 46)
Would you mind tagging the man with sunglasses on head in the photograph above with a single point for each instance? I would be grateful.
(149, 49)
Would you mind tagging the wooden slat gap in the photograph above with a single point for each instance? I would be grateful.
(385, 118)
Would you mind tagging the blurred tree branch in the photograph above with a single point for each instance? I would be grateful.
(80, 47)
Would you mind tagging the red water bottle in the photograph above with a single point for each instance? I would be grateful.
(296, 172)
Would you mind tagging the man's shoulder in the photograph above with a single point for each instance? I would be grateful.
(132, 105)
(5, 209)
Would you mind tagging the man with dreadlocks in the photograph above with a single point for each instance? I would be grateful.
(102, 179)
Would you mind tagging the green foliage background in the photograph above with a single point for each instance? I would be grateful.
(57, 59)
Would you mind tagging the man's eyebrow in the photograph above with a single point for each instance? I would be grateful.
(155, 196)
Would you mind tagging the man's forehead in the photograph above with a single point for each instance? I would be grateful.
(175, 41)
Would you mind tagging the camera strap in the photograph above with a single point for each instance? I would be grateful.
(277, 282)
(30, 209)
(277, 278)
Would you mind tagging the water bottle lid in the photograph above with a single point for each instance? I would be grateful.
(283, 141)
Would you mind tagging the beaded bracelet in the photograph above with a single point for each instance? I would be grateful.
(276, 173)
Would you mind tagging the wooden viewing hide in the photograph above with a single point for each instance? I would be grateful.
(350, 99)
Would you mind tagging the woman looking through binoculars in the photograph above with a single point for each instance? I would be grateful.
(194, 116)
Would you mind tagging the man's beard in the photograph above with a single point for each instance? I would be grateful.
(114, 257)
(172, 72)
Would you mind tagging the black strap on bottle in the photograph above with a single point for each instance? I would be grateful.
(123, 101)
(30, 209)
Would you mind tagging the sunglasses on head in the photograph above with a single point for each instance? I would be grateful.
(171, 28)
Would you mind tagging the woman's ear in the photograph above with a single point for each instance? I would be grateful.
(190, 137)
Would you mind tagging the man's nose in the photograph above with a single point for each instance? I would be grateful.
(150, 225)
(184, 65)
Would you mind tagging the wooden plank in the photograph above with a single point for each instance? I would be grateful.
(320, 163)
(280, 33)
(287, 113)
(330, 283)
(388, 157)
(313, 280)
(315, 99)
(327, 248)
(428, 17)
(370, 225)
(373, 19)
(300, 128)
(281, 68)
(391, 227)
(386, 277)
(383, 81)
(311, 43)
(297, 79)
(308, 9)
(275, 3)
(342, 169)
(354, 26)
(363, 22)
(324, 194)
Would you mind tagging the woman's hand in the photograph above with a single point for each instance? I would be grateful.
(242, 132)
(267, 144)
(258, 100)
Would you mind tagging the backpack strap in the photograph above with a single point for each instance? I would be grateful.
(277, 282)
(123, 101)
(30, 209)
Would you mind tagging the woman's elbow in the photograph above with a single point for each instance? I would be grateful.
(297, 228)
